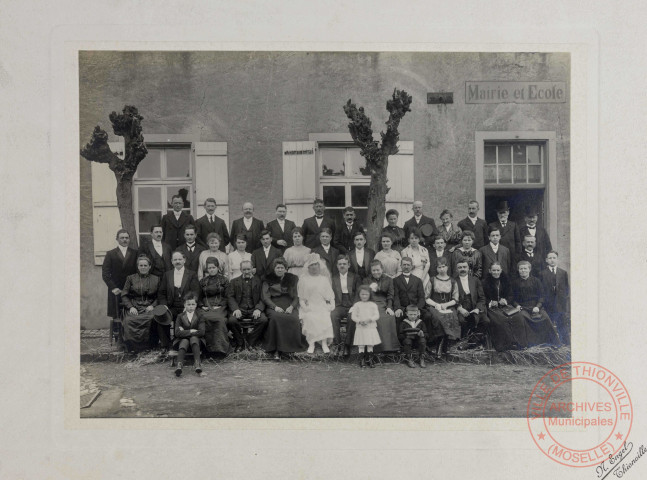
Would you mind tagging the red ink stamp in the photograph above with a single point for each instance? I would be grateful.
(579, 413)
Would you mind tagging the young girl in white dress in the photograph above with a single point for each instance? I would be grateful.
(365, 314)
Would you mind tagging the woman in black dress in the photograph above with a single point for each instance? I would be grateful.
(382, 294)
(397, 234)
(280, 296)
(139, 296)
(213, 302)
(506, 332)
(527, 293)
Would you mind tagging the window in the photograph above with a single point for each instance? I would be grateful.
(166, 171)
(518, 163)
(343, 180)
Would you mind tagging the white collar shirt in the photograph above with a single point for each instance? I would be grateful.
(495, 248)
(248, 222)
(343, 280)
(177, 277)
(319, 220)
(157, 245)
(124, 250)
(465, 282)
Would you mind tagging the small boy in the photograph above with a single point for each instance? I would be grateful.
(557, 296)
(189, 330)
(413, 332)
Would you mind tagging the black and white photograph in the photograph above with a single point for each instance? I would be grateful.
(322, 239)
(312, 234)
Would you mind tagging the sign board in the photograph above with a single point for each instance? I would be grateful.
(515, 92)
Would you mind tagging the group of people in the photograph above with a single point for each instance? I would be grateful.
(286, 288)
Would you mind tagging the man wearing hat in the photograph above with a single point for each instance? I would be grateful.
(413, 333)
(426, 225)
(510, 236)
(542, 240)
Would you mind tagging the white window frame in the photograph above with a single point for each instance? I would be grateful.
(549, 170)
(166, 141)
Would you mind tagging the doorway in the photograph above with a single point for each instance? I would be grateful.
(518, 200)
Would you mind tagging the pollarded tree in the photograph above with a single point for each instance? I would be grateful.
(377, 155)
(128, 125)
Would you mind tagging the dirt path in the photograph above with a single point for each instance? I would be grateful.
(316, 389)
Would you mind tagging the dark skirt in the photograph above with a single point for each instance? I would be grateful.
(215, 330)
(283, 332)
(507, 333)
(386, 327)
(540, 330)
(444, 324)
(137, 329)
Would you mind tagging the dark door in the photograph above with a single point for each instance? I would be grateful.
(518, 199)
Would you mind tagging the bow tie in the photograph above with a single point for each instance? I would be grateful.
(530, 254)
(503, 224)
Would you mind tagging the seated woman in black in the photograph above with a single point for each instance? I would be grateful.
(280, 296)
(139, 296)
(527, 293)
(213, 302)
(507, 331)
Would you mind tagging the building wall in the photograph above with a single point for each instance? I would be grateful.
(256, 100)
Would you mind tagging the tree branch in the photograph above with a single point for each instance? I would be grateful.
(128, 125)
(97, 150)
(361, 131)
(397, 107)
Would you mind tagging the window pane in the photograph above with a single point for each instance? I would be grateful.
(519, 174)
(150, 167)
(148, 219)
(490, 155)
(533, 154)
(359, 195)
(357, 162)
(504, 154)
(334, 195)
(336, 214)
(519, 152)
(505, 174)
(149, 198)
(333, 161)
(183, 191)
(534, 174)
(361, 214)
(489, 174)
(178, 163)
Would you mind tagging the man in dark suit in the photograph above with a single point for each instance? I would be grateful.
(326, 250)
(542, 240)
(191, 249)
(471, 300)
(345, 234)
(418, 221)
(244, 301)
(175, 284)
(408, 290)
(557, 296)
(495, 252)
(249, 226)
(360, 257)
(530, 255)
(510, 236)
(344, 286)
(117, 265)
(475, 224)
(174, 223)
(312, 226)
(262, 257)
(209, 223)
(158, 251)
(281, 229)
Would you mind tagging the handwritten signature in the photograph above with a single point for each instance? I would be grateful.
(615, 462)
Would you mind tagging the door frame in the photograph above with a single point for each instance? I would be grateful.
(550, 198)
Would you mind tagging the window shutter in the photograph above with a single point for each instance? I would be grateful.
(211, 177)
(401, 181)
(105, 214)
(299, 179)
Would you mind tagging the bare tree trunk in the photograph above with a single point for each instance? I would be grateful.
(376, 205)
(125, 205)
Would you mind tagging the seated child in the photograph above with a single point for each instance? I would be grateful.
(413, 332)
(189, 330)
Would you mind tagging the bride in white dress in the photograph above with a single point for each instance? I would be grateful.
(316, 300)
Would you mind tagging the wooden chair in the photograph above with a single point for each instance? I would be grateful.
(117, 334)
